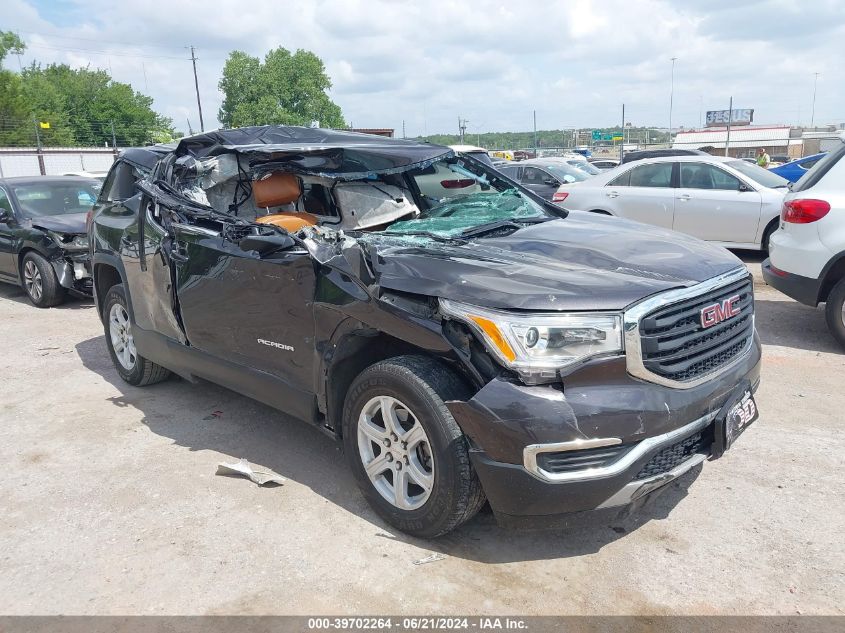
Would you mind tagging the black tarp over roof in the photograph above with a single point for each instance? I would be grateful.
(316, 151)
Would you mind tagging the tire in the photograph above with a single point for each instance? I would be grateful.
(773, 226)
(414, 388)
(835, 312)
(39, 281)
(133, 368)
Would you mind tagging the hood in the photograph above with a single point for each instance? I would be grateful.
(583, 262)
(68, 223)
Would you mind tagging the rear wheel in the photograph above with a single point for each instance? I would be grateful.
(133, 368)
(835, 312)
(39, 281)
(773, 226)
(405, 449)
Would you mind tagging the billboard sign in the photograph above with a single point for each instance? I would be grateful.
(742, 116)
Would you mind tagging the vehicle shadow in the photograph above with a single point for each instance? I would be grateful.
(207, 417)
(71, 302)
(792, 324)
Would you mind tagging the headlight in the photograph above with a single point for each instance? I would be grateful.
(538, 345)
(70, 241)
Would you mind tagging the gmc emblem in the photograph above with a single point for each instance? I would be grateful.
(718, 312)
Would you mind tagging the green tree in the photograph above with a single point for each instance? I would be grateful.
(88, 102)
(80, 105)
(10, 43)
(286, 89)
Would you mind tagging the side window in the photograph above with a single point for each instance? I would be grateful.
(510, 171)
(808, 163)
(622, 180)
(533, 176)
(653, 175)
(120, 183)
(703, 176)
(5, 205)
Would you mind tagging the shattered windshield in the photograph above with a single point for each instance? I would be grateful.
(454, 216)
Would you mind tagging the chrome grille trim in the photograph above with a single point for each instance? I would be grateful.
(631, 326)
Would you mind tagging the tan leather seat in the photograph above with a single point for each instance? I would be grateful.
(290, 222)
(277, 189)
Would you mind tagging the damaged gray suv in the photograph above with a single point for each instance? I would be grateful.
(465, 340)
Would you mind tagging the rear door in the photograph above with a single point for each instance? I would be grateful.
(713, 204)
(644, 193)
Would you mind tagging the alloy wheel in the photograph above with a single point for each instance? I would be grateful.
(121, 337)
(396, 452)
(32, 280)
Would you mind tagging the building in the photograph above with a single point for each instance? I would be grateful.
(778, 140)
(378, 131)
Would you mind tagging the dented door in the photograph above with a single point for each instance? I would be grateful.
(242, 308)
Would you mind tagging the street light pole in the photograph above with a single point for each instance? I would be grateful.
(813, 115)
(671, 98)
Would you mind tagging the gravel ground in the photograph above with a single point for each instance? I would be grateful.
(109, 503)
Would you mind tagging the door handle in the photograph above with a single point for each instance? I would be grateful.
(612, 194)
(684, 197)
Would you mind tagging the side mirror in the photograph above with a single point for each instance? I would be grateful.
(551, 182)
(5, 216)
(744, 187)
(265, 244)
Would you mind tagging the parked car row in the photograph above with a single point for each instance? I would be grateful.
(722, 200)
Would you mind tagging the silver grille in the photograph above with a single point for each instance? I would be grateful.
(666, 342)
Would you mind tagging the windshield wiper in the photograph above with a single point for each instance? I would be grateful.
(434, 236)
(515, 223)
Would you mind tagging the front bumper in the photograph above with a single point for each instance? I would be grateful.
(73, 270)
(506, 422)
(805, 290)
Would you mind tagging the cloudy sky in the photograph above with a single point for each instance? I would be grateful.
(491, 62)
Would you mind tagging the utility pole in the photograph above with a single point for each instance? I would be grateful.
(38, 149)
(403, 128)
(671, 98)
(197, 87)
(730, 120)
(535, 133)
(813, 115)
(462, 128)
(622, 144)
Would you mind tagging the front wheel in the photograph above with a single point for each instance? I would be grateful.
(835, 312)
(39, 281)
(405, 449)
(132, 367)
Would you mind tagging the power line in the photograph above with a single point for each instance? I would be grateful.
(93, 39)
(101, 52)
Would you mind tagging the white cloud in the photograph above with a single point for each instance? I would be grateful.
(492, 62)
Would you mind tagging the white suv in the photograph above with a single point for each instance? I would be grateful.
(807, 253)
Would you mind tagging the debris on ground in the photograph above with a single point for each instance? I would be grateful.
(214, 415)
(243, 468)
(430, 559)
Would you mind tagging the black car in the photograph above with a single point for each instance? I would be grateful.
(486, 345)
(43, 239)
(657, 153)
